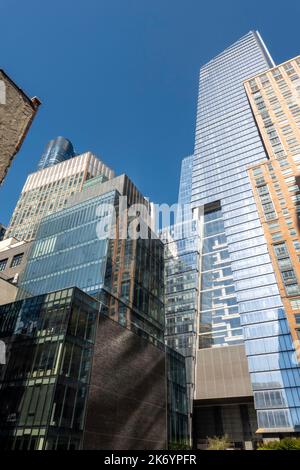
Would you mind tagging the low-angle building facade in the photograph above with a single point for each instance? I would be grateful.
(17, 112)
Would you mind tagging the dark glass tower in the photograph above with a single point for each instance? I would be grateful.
(57, 150)
(74, 379)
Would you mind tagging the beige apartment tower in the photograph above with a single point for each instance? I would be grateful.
(47, 191)
(274, 97)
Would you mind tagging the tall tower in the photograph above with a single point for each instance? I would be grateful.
(47, 191)
(240, 298)
(275, 101)
(57, 150)
(185, 189)
(226, 143)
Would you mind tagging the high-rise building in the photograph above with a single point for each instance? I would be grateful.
(272, 334)
(182, 272)
(275, 100)
(182, 266)
(74, 379)
(47, 191)
(84, 245)
(226, 143)
(126, 274)
(242, 306)
(57, 150)
(185, 190)
(185, 185)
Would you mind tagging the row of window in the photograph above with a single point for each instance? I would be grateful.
(286, 269)
(17, 259)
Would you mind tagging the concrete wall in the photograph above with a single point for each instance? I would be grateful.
(8, 292)
(127, 399)
(222, 373)
(8, 252)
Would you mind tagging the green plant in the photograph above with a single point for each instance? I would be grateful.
(288, 443)
(218, 443)
(182, 445)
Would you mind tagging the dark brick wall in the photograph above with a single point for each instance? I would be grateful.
(127, 398)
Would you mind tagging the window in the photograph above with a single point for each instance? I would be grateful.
(268, 207)
(292, 289)
(295, 303)
(277, 75)
(3, 264)
(260, 181)
(253, 85)
(262, 190)
(17, 259)
(271, 215)
(285, 263)
(257, 171)
(125, 289)
(264, 79)
(276, 236)
(273, 226)
(289, 68)
(296, 244)
(289, 275)
(281, 250)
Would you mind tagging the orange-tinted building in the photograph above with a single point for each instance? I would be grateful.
(274, 97)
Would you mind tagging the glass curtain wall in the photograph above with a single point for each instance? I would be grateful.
(227, 143)
(219, 316)
(44, 383)
(67, 251)
(57, 150)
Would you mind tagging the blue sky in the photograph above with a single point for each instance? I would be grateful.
(120, 77)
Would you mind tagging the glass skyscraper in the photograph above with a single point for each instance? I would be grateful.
(57, 150)
(185, 189)
(219, 320)
(239, 287)
(182, 262)
(181, 285)
(127, 275)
